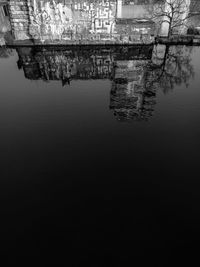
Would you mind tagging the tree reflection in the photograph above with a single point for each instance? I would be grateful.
(5, 52)
(170, 66)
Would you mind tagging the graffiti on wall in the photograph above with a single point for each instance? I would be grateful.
(71, 19)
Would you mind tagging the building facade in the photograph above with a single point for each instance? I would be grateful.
(60, 19)
(71, 20)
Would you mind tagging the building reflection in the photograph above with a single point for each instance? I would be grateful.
(135, 72)
(130, 99)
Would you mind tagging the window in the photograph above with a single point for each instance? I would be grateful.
(5, 10)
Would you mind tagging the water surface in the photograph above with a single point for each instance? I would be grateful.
(85, 163)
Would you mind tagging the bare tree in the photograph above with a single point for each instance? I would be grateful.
(171, 15)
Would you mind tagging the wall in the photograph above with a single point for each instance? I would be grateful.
(59, 19)
(79, 21)
(135, 11)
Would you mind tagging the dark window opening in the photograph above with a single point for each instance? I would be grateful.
(5, 9)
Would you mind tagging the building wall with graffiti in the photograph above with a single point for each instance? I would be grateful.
(73, 20)
(60, 19)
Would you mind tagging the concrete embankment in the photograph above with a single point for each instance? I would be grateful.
(179, 40)
(7, 39)
(11, 41)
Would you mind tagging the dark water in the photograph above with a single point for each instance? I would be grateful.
(89, 179)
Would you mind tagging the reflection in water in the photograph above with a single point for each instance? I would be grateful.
(129, 98)
(5, 52)
(135, 72)
(171, 66)
(70, 173)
